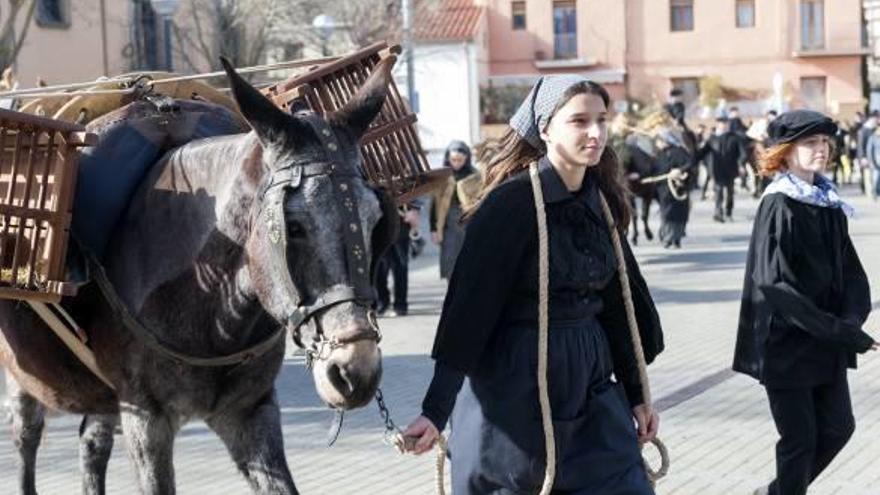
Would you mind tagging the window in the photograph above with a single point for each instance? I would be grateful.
(813, 93)
(745, 13)
(812, 24)
(52, 13)
(518, 15)
(681, 15)
(564, 30)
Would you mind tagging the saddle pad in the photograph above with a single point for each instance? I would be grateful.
(130, 141)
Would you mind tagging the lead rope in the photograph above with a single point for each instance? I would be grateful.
(653, 475)
(543, 331)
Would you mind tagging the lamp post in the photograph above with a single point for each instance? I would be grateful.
(165, 9)
(324, 25)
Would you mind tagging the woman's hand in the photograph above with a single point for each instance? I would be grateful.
(648, 422)
(435, 237)
(425, 433)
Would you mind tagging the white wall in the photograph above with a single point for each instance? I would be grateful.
(447, 82)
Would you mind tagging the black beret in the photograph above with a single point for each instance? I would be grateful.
(797, 124)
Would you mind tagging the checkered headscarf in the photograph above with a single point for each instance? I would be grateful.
(534, 113)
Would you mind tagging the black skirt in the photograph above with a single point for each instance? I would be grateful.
(497, 441)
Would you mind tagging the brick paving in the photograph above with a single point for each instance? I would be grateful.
(716, 424)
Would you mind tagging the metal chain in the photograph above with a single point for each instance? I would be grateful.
(393, 435)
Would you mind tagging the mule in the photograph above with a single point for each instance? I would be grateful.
(228, 243)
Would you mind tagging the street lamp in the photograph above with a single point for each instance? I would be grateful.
(324, 25)
(165, 9)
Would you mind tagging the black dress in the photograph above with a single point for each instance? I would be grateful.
(674, 211)
(486, 348)
(805, 298)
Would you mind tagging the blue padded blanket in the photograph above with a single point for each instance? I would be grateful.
(130, 141)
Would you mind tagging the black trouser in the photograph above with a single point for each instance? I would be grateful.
(396, 259)
(813, 424)
(723, 198)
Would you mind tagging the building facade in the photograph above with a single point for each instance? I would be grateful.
(776, 53)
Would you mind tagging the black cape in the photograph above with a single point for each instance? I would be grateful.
(495, 279)
(805, 297)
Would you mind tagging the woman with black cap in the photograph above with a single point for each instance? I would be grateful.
(486, 345)
(805, 299)
(459, 193)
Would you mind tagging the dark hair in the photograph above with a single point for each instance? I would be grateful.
(675, 92)
(734, 109)
(515, 154)
(773, 113)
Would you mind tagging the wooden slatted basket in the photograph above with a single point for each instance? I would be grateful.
(392, 153)
(38, 167)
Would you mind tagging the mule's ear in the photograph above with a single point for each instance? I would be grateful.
(265, 118)
(363, 107)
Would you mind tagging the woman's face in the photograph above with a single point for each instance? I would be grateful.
(578, 131)
(457, 159)
(809, 155)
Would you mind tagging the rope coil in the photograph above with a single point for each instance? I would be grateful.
(653, 475)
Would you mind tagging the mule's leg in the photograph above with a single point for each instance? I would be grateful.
(634, 221)
(95, 446)
(150, 439)
(646, 213)
(253, 437)
(28, 419)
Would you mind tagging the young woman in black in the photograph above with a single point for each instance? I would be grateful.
(486, 343)
(805, 299)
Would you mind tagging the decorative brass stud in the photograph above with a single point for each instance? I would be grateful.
(354, 227)
(332, 146)
(326, 132)
(343, 187)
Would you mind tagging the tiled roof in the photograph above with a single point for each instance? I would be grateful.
(449, 20)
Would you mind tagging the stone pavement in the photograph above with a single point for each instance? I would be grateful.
(716, 424)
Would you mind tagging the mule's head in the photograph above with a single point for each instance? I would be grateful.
(316, 231)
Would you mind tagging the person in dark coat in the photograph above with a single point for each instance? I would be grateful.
(674, 193)
(725, 156)
(805, 299)
(448, 202)
(395, 261)
(486, 344)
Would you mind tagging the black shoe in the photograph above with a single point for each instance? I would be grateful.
(718, 218)
(381, 309)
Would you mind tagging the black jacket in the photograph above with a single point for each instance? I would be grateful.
(724, 155)
(805, 297)
(494, 285)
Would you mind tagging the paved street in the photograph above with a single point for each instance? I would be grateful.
(716, 424)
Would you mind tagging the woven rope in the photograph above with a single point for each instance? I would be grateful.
(653, 475)
(543, 324)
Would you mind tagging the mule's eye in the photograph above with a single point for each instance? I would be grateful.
(295, 231)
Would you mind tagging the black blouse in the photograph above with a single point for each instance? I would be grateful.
(805, 297)
(494, 285)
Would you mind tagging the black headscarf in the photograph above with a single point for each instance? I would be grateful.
(466, 169)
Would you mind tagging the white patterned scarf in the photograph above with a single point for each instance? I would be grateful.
(820, 193)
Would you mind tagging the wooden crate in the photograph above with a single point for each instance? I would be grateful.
(38, 166)
(392, 153)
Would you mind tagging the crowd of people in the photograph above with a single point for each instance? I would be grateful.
(800, 324)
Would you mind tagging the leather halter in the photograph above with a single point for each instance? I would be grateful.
(357, 262)
(361, 293)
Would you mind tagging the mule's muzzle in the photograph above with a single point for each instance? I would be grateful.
(348, 374)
